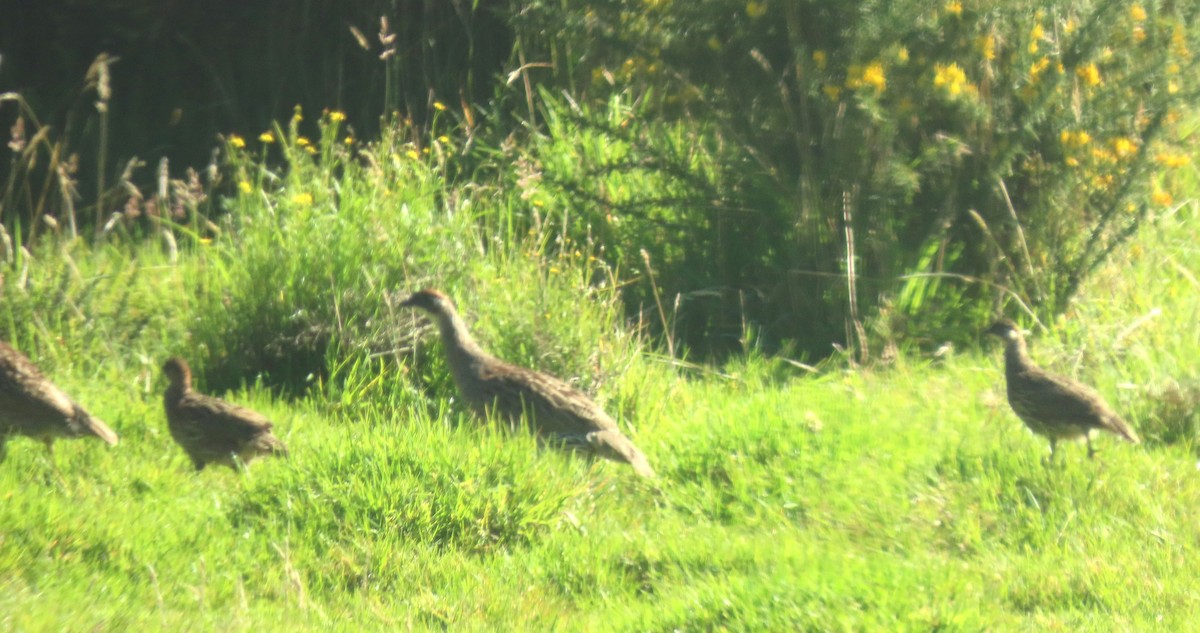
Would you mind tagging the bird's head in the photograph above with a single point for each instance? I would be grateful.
(429, 300)
(177, 371)
(1005, 329)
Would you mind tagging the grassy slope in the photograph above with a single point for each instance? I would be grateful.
(905, 498)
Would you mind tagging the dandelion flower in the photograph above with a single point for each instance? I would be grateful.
(302, 199)
(236, 141)
(413, 154)
(756, 9)
(303, 141)
(1172, 159)
(337, 116)
(1137, 13)
(954, 7)
(819, 59)
(266, 137)
(439, 106)
(1124, 147)
(1162, 198)
(244, 187)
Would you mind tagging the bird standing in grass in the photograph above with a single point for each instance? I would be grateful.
(1054, 407)
(210, 429)
(33, 406)
(557, 412)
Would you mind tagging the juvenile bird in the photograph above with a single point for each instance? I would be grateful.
(557, 412)
(211, 430)
(1054, 407)
(33, 406)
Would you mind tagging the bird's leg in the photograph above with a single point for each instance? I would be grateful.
(1091, 449)
(49, 441)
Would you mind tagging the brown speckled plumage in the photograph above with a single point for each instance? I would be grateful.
(1054, 407)
(557, 411)
(211, 430)
(33, 406)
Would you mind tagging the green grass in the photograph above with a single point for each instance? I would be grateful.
(905, 497)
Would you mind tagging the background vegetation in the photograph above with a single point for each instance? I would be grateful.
(667, 204)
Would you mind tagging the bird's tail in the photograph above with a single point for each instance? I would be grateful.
(612, 445)
(1122, 428)
(89, 424)
(268, 444)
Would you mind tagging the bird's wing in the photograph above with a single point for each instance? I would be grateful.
(1060, 399)
(555, 406)
(222, 422)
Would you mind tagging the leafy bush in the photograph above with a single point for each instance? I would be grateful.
(925, 163)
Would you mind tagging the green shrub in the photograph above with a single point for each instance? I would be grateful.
(946, 158)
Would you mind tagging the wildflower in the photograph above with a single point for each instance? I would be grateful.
(1172, 87)
(1036, 68)
(302, 199)
(1124, 147)
(951, 77)
(987, 46)
(756, 9)
(1090, 75)
(1172, 159)
(1137, 13)
(303, 141)
(413, 154)
(954, 7)
(236, 141)
(819, 59)
(1035, 35)
(349, 140)
(337, 116)
(266, 137)
(312, 151)
(1069, 26)
(833, 92)
(902, 55)
(714, 43)
(1161, 198)
(297, 116)
(1072, 161)
(244, 187)
(439, 106)
(1139, 34)
(874, 76)
(443, 139)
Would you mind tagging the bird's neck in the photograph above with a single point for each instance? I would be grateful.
(1016, 356)
(177, 390)
(461, 349)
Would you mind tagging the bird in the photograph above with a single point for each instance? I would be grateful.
(211, 430)
(1055, 407)
(33, 406)
(557, 412)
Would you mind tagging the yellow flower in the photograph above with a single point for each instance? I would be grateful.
(819, 59)
(302, 199)
(1072, 161)
(833, 92)
(310, 149)
(954, 7)
(1161, 198)
(439, 106)
(303, 141)
(443, 139)
(1036, 68)
(714, 43)
(1074, 139)
(1124, 147)
(413, 154)
(337, 116)
(1090, 74)
(1139, 34)
(951, 77)
(987, 46)
(266, 137)
(1069, 26)
(1172, 87)
(244, 187)
(756, 9)
(236, 141)
(1172, 159)
(296, 116)
(874, 75)
(902, 55)
(349, 140)
(1137, 13)
(1037, 32)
